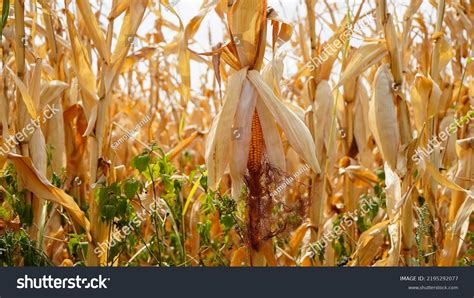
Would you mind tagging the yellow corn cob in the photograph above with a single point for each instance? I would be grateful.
(257, 145)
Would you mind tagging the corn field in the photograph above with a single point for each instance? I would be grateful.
(237, 133)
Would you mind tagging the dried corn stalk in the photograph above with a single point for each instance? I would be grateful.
(249, 101)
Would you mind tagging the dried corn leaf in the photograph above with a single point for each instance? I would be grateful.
(217, 146)
(368, 244)
(43, 189)
(294, 128)
(247, 25)
(271, 135)
(383, 119)
(441, 179)
(25, 95)
(393, 191)
(241, 135)
(363, 57)
(85, 75)
(93, 29)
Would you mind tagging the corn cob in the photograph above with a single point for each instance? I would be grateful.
(257, 146)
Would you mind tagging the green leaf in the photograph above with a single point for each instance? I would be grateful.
(130, 188)
(380, 174)
(228, 221)
(152, 171)
(108, 212)
(141, 162)
(5, 12)
(4, 213)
